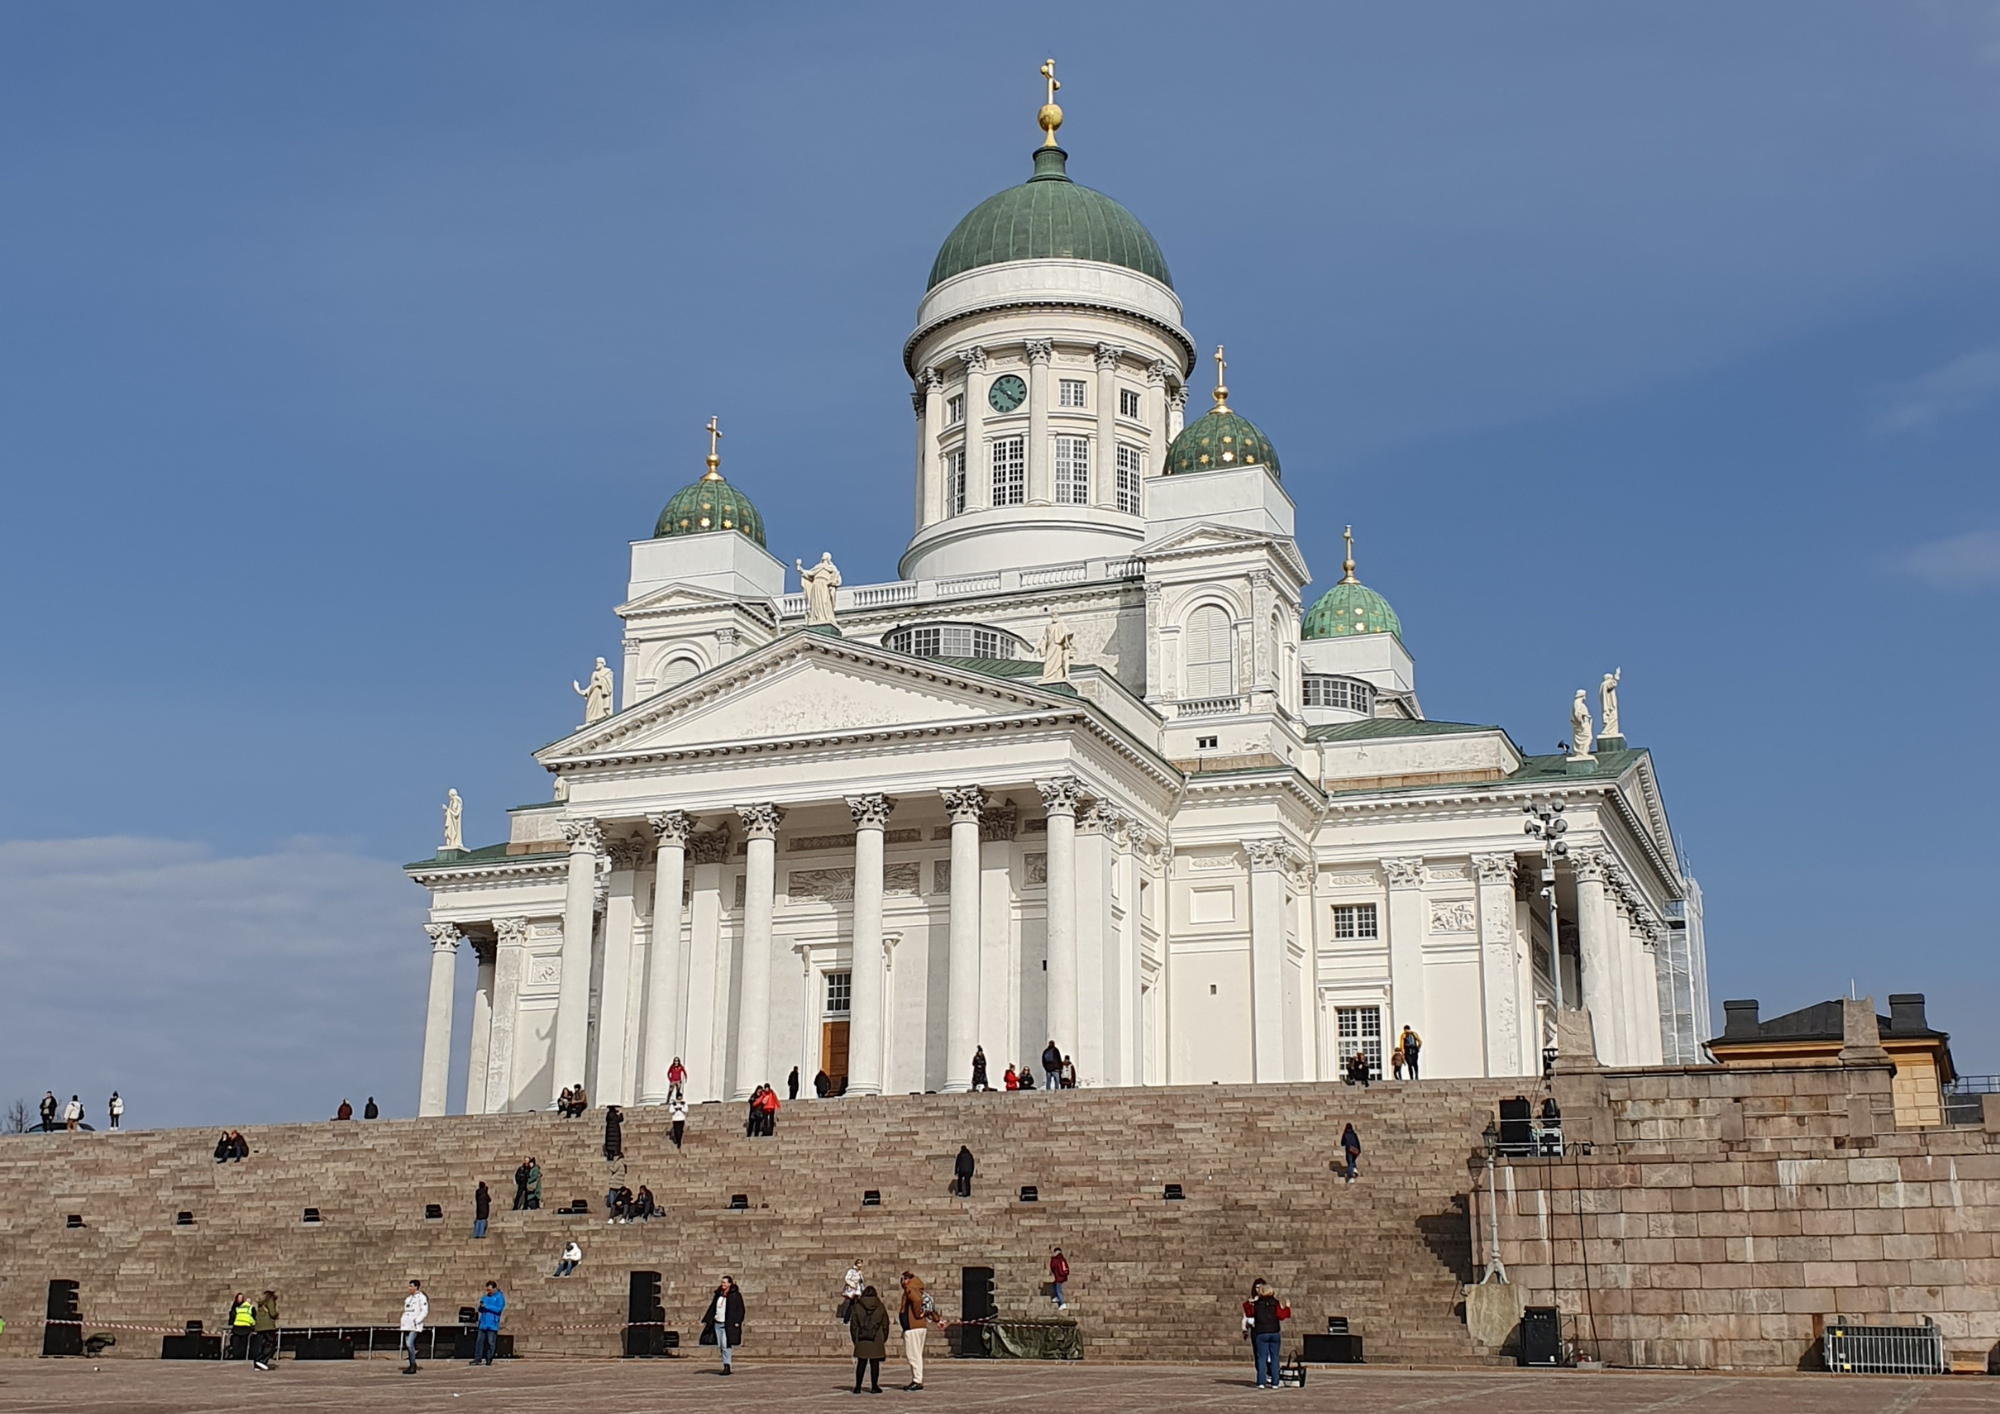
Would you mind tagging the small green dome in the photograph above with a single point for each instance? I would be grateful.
(1049, 217)
(1350, 607)
(711, 504)
(1218, 441)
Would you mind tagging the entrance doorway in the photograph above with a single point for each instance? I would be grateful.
(835, 1007)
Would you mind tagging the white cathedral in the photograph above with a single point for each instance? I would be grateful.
(1090, 770)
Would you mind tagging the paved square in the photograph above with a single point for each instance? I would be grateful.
(627, 1387)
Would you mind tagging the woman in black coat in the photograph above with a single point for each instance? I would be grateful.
(961, 1170)
(725, 1301)
(614, 1134)
(868, 1328)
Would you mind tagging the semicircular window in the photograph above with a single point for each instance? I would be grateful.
(954, 641)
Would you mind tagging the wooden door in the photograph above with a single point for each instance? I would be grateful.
(833, 1051)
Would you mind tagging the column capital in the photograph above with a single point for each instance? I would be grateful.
(1101, 817)
(1178, 398)
(1040, 351)
(1158, 372)
(1404, 873)
(1107, 357)
(1060, 794)
(512, 932)
(1267, 854)
(929, 380)
(584, 836)
(1495, 868)
(870, 812)
(1589, 864)
(963, 803)
(671, 827)
(628, 852)
(973, 358)
(761, 821)
(445, 937)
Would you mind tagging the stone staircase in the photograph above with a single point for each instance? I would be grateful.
(1151, 1279)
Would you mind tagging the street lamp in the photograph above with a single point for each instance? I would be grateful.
(1546, 823)
(1496, 1270)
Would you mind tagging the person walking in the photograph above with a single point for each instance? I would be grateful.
(572, 1258)
(416, 1310)
(115, 1108)
(1412, 1043)
(371, 1110)
(242, 1325)
(1051, 1067)
(722, 1323)
(679, 1110)
(868, 1328)
(491, 1305)
(1396, 1064)
(482, 1209)
(961, 1171)
(1350, 1146)
(850, 1289)
(792, 1084)
(1058, 1274)
(264, 1331)
(614, 1134)
(916, 1314)
(676, 1077)
(73, 1114)
(822, 1083)
(1263, 1317)
(979, 1069)
(521, 1186)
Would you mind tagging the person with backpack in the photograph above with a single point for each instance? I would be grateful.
(1350, 1146)
(1411, 1044)
(1058, 1274)
(1052, 1060)
(917, 1313)
(115, 1109)
(1263, 1318)
(868, 1328)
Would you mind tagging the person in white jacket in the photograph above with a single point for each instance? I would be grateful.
(416, 1310)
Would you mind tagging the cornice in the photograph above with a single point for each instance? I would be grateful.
(550, 865)
(924, 331)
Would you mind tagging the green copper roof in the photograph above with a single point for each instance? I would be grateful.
(1049, 217)
(1219, 441)
(1350, 607)
(1390, 728)
(709, 505)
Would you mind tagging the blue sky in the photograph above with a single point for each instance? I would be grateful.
(343, 349)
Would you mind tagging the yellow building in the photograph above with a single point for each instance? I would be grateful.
(1922, 1055)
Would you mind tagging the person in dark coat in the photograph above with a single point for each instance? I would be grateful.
(822, 1084)
(614, 1134)
(1350, 1146)
(371, 1110)
(533, 1201)
(482, 1208)
(521, 1186)
(868, 1328)
(224, 1148)
(979, 1081)
(962, 1172)
(1051, 1067)
(792, 1084)
(722, 1320)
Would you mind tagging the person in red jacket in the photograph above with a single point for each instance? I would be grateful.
(1058, 1274)
(1262, 1315)
(768, 1107)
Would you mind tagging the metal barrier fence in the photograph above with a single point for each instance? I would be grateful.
(1961, 1098)
(1851, 1349)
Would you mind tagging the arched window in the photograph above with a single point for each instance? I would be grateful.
(1210, 650)
(675, 671)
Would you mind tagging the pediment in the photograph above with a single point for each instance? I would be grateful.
(677, 596)
(1205, 536)
(802, 685)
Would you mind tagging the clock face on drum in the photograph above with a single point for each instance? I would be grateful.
(1007, 393)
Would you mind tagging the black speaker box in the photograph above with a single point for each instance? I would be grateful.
(1541, 1336)
(1333, 1350)
(190, 1347)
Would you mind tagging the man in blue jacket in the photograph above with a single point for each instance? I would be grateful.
(490, 1307)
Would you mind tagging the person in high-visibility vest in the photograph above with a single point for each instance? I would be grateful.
(242, 1318)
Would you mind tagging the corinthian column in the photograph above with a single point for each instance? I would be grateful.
(482, 1029)
(760, 890)
(1499, 970)
(437, 1018)
(1407, 927)
(961, 1012)
(1041, 489)
(930, 422)
(1268, 859)
(586, 842)
(978, 464)
(865, 1029)
(663, 955)
(1104, 466)
(509, 955)
(1601, 995)
(1156, 416)
(1059, 797)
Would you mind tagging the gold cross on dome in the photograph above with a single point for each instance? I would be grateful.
(714, 461)
(1347, 576)
(1221, 391)
(1049, 73)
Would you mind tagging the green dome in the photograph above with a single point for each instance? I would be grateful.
(711, 504)
(1218, 441)
(1049, 217)
(1350, 607)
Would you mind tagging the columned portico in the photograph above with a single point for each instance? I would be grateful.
(509, 958)
(586, 843)
(613, 1083)
(1603, 997)
(437, 1018)
(870, 985)
(1060, 796)
(963, 805)
(663, 956)
(482, 1029)
(1499, 969)
(753, 1011)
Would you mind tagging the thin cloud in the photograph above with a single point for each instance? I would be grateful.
(207, 989)
(1969, 561)
(1959, 386)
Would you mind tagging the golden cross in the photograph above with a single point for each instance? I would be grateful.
(1049, 73)
(714, 433)
(1348, 568)
(1219, 365)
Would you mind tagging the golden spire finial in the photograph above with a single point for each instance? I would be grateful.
(1347, 566)
(1051, 116)
(1221, 391)
(714, 461)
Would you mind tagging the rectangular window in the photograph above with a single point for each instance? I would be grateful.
(1131, 471)
(954, 482)
(954, 410)
(1128, 403)
(839, 993)
(1207, 743)
(1354, 920)
(990, 643)
(1360, 1029)
(1070, 393)
(1072, 471)
(1010, 472)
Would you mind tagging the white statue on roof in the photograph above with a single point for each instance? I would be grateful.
(596, 697)
(819, 582)
(1579, 726)
(1607, 698)
(454, 821)
(1057, 649)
